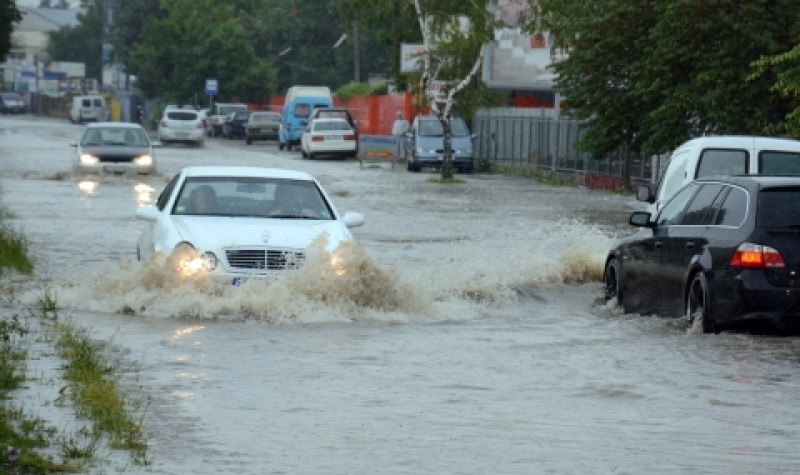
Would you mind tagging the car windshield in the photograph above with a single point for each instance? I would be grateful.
(250, 197)
(265, 117)
(115, 136)
(226, 110)
(779, 208)
(432, 128)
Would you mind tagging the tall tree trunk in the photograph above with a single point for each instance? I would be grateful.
(447, 159)
(625, 167)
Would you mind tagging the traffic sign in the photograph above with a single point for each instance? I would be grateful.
(212, 87)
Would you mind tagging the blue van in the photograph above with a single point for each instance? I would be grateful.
(300, 102)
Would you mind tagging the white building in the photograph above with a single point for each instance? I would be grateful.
(27, 67)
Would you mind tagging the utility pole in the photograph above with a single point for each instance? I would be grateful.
(356, 59)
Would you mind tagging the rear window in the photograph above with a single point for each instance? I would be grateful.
(779, 208)
(182, 115)
(779, 163)
(722, 162)
(331, 125)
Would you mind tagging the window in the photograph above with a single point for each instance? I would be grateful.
(673, 211)
(302, 110)
(701, 210)
(722, 162)
(734, 208)
(779, 208)
(779, 163)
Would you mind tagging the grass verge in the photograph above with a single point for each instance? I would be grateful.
(28, 443)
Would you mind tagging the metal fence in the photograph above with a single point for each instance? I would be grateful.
(533, 139)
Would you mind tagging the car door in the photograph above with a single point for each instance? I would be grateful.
(652, 277)
(683, 242)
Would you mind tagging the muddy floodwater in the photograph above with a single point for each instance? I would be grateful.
(467, 335)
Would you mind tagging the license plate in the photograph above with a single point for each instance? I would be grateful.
(182, 135)
(334, 137)
(114, 168)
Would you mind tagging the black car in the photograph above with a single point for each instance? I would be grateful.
(723, 250)
(235, 124)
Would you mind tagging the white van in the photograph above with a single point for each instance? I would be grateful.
(722, 155)
(87, 108)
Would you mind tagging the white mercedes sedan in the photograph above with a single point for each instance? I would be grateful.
(238, 223)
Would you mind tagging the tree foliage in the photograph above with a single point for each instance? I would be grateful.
(82, 43)
(9, 15)
(197, 40)
(649, 74)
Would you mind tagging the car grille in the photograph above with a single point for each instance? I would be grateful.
(264, 259)
(117, 158)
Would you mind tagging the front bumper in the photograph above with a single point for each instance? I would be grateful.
(115, 168)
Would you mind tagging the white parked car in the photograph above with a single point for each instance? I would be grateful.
(181, 125)
(329, 136)
(114, 147)
(236, 223)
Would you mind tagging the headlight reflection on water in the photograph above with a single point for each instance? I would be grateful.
(88, 187)
(143, 193)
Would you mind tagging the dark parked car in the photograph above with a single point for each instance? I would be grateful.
(235, 124)
(722, 250)
(262, 126)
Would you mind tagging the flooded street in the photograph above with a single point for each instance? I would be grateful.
(467, 338)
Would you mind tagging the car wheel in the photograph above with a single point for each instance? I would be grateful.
(303, 153)
(248, 140)
(612, 277)
(311, 156)
(280, 145)
(698, 303)
(288, 147)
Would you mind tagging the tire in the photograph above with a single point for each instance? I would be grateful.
(288, 147)
(612, 276)
(281, 145)
(248, 141)
(311, 156)
(303, 153)
(698, 303)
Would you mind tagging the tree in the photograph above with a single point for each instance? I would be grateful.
(786, 69)
(647, 75)
(81, 43)
(197, 40)
(600, 78)
(9, 15)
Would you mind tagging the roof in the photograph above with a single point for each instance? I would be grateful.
(260, 172)
(744, 141)
(759, 180)
(57, 16)
(117, 125)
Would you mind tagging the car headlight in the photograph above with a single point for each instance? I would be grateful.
(189, 263)
(143, 161)
(88, 159)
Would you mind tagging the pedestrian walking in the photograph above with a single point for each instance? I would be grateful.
(399, 129)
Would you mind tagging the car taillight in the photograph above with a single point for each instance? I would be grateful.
(755, 256)
(200, 125)
(317, 138)
(349, 137)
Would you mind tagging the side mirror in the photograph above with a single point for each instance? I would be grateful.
(640, 218)
(73, 144)
(157, 144)
(352, 219)
(147, 213)
(643, 193)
